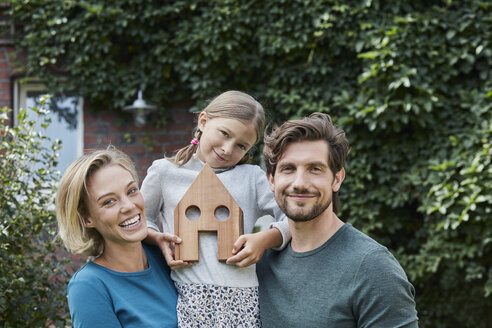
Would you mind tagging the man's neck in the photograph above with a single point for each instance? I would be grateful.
(310, 235)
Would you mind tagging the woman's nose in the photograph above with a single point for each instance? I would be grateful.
(127, 204)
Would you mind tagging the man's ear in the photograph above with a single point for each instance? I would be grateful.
(271, 181)
(202, 120)
(337, 182)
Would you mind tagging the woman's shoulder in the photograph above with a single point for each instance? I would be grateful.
(88, 272)
(86, 280)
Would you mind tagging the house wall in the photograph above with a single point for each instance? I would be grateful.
(5, 75)
(105, 127)
(143, 144)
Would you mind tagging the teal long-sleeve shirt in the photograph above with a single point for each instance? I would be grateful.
(101, 297)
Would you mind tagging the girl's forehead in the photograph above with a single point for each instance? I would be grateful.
(245, 130)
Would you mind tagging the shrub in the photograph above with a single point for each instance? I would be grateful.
(32, 273)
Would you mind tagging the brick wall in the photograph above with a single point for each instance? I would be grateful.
(143, 144)
(5, 74)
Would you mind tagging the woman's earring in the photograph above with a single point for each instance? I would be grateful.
(195, 141)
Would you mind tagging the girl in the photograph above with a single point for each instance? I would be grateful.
(210, 293)
(100, 212)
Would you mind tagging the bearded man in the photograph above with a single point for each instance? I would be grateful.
(331, 274)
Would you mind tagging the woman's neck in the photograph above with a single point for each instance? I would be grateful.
(123, 258)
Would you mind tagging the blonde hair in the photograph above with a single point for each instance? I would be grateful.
(72, 196)
(230, 104)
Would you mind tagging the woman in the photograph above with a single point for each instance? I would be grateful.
(100, 213)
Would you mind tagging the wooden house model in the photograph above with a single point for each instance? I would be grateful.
(207, 195)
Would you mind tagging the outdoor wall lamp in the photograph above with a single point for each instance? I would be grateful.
(140, 109)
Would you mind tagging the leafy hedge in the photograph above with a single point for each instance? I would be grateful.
(409, 81)
(33, 274)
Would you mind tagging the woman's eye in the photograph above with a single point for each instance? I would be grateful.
(225, 134)
(108, 202)
(132, 191)
(242, 147)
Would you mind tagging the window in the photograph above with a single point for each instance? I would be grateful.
(66, 116)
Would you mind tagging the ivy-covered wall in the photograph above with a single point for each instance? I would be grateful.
(409, 81)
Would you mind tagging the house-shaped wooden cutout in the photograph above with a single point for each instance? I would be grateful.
(209, 196)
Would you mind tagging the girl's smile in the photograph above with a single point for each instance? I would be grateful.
(224, 141)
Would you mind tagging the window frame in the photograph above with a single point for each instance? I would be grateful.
(20, 91)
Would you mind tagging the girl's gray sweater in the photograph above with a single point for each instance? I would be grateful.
(165, 185)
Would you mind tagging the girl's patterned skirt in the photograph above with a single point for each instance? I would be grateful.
(201, 305)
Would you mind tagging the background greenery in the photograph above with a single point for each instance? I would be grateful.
(409, 81)
(33, 275)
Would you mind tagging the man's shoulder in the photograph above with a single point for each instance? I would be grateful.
(359, 239)
(269, 255)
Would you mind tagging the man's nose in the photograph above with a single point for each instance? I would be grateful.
(300, 179)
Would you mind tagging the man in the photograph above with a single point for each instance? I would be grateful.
(331, 275)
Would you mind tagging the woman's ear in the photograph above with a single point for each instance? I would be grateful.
(202, 120)
(88, 222)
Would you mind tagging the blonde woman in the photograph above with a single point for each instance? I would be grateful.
(100, 213)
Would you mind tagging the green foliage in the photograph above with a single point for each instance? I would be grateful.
(409, 81)
(32, 275)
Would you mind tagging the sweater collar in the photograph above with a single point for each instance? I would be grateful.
(197, 163)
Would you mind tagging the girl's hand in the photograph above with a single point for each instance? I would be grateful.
(165, 241)
(249, 248)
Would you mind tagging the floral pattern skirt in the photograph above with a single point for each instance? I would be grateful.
(201, 305)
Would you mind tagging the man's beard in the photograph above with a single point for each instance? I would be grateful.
(301, 213)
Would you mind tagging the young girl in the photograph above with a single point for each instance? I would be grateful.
(211, 293)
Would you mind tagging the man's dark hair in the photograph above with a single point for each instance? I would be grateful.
(317, 126)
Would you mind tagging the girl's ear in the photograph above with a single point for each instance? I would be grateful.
(202, 120)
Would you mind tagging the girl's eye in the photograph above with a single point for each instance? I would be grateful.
(242, 147)
(225, 134)
(132, 191)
